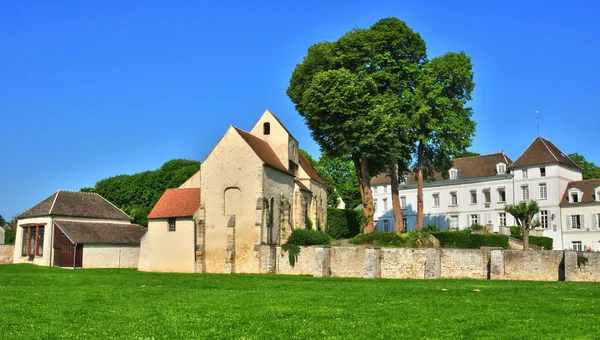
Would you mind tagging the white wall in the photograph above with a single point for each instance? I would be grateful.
(162, 250)
(110, 256)
(589, 234)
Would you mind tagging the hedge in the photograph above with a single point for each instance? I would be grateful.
(465, 240)
(344, 223)
(9, 236)
(540, 241)
(307, 237)
(380, 238)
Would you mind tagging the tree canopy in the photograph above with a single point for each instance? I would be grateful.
(590, 170)
(524, 213)
(136, 194)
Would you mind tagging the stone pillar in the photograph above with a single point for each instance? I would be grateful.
(571, 269)
(432, 264)
(372, 263)
(321, 262)
(497, 264)
(200, 225)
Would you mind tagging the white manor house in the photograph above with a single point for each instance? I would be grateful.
(478, 188)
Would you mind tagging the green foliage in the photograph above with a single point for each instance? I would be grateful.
(466, 240)
(476, 227)
(515, 231)
(344, 223)
(137, 194)
(308, 224)
(340, 175)
(2, 221)
(540, 241)
(581, 261)
(523, 214)
(465, 153)
(9, 236)
(380, 238)
(590, 170)
(293, 252)
(418, 239)
(308, 237)
(431, 228)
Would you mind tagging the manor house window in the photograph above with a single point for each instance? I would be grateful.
(33, 241)
(453, 198)
(501, 195)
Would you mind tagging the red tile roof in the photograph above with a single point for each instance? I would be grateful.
(308, 168)
(468, 167)
(181, 202)
(263, 150)
(542, 151)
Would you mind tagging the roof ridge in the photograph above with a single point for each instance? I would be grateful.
(585, 180)
(109, 202)
(547, 148)
(485, 155)
(54, 201)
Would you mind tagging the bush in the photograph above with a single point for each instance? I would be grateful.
(540, 241)
(9, 236)
(476, 227)
(308, 237)
(431, 228)
(466, 240)
(515, 230)
(380, 238)
(344, 223)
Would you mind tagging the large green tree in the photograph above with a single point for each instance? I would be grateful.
(352, 94)
(441, 124)
(590, 170)
(2, 221)
(136, 194)
(524, 213)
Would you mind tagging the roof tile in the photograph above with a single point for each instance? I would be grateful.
(76, 204)
(181, 202)
(101, 233)
(542, 151)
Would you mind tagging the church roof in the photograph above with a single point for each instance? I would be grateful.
(76, 204)
(301, 185)
(542, 151)
(180, 202)
(468, 168)
(101, 233)
(308, 168)
(588, 187)
(263, 150)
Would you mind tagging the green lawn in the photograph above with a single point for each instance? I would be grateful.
(41, 302)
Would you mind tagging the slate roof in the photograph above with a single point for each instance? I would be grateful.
(76, 204)
(101, 233)
(263, 150)
(586, 186)
(542, 151)
(308, 168)
(181, 202)
(469, 168)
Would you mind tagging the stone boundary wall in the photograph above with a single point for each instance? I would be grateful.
(437, 263)
(6, 253)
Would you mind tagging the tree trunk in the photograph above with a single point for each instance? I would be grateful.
(420, 162)
(398, 222)
(362, 171)
(525, 238)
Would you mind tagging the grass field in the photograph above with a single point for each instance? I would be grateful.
(42, 302)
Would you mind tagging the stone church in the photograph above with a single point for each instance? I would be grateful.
(252, 190)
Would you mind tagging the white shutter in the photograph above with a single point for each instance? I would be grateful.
(479, 221)
(568, 225)
(594, 221)
(581, 221)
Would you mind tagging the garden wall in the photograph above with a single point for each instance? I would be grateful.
(6, 253)
(434, 263)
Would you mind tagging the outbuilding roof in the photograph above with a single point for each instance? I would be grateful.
(180, 202)
(76, 204)
(588, 187)
(101, 233)
(542, 151)
(468, 168)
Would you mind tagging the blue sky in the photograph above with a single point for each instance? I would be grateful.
(92, 89)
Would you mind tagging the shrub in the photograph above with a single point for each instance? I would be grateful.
(344, 223)
(540, 241)
(515, 230)
(418, 239)
(466, 240)
(380, 238)
(476, 227)
(9, 236)
(431, 228)
(308, 237)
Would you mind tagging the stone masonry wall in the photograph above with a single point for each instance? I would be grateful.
(6, 253)
(543, 265)
(347, 261)
(305, 264)
(403, 263)
(464, 264)
(589, 271)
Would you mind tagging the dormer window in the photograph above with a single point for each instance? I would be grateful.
(500, 169)
(574, 196)
(267, 128)
(597, 194)
(453, 173)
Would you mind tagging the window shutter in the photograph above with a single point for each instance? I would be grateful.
(581, 221)
(594, 221)
(568, 224)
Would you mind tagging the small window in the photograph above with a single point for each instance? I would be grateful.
(524, 173)
(543, 191)
(500, 168)
(576, 222)
(386, 225)
(374, 190)
(502, 218)
(543, 172)
(487, 196)
(598, 196)
(574, 197)
(405, 222)
(501, 195)
(474, 219)
(473, 197)
(385, 188)
(267, 128)
(375, 205)
(576, 245)
(385, 207)
(453, 174)
(454, 199)
(525, 193)
(544, 219)
(172, 224)
(403, 202)
(436, 200)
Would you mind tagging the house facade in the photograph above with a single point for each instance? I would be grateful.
(76, 229)
(253, 189)
(476, 189)
(580, 206)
